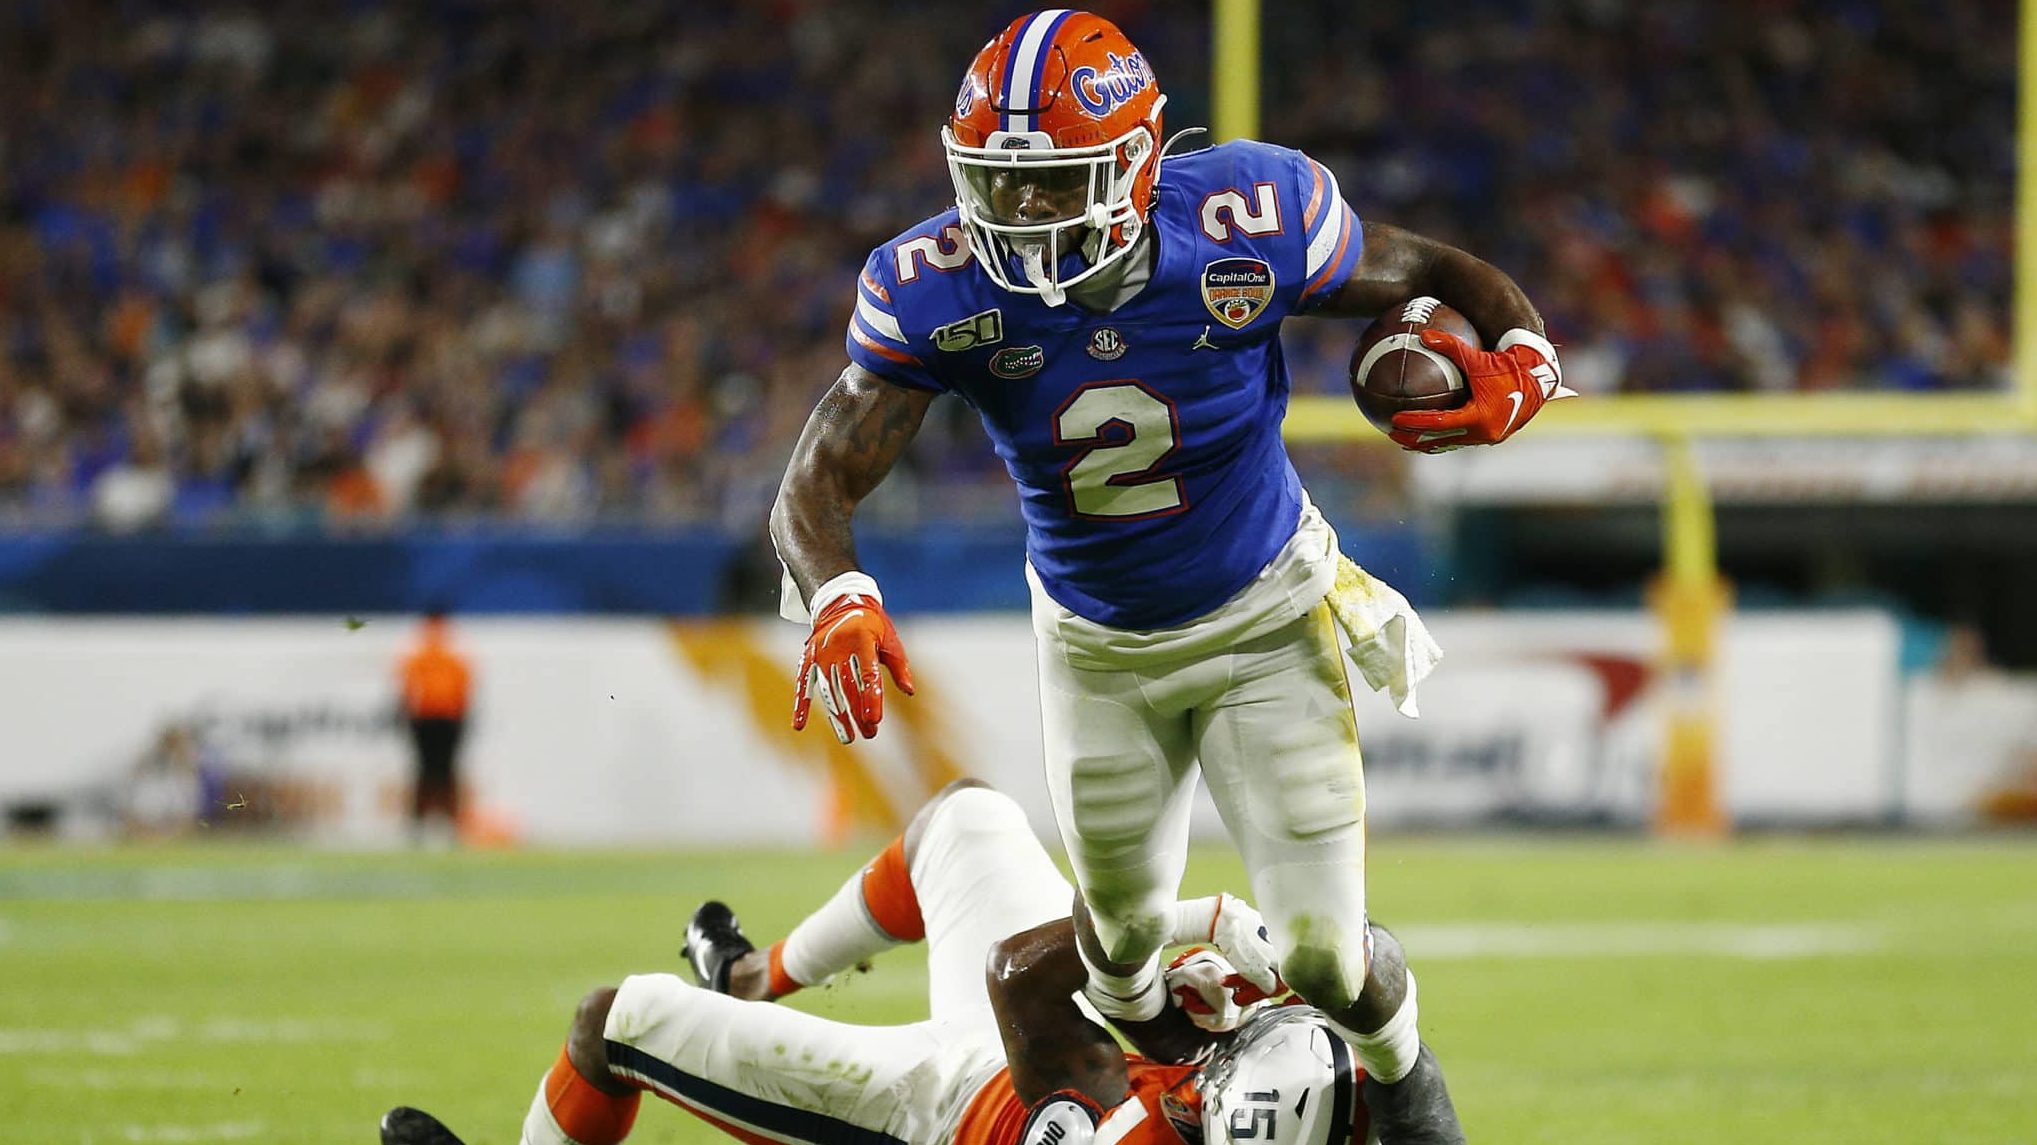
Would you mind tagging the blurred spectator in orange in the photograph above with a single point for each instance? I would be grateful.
(437, 686)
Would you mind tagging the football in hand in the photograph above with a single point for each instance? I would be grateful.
(1392, 371)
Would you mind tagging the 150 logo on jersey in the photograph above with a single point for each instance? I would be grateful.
(1237, 289)
(983, 329)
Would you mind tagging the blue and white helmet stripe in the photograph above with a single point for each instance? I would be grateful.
(1027, 62)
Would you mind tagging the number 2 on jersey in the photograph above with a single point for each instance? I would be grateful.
(1134, 430)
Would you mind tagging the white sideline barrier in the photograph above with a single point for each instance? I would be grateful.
(636, 731)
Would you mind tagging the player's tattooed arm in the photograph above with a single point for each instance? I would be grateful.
(851, 441)
(1049, 1042)
(1400, 264)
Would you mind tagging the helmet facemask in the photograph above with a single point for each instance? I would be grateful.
(1030, 207)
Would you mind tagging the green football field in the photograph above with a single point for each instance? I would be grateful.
(1577, 991)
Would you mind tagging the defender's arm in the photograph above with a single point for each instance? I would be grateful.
(1050, 1044)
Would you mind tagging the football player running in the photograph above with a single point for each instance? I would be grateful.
(1114, 319)
(1007, 1056)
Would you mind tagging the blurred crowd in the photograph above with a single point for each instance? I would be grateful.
(337, 266)
(1734, 195)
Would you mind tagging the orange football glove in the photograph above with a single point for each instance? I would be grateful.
(1509, 385)
(850, 638)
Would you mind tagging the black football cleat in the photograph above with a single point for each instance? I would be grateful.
(714, 940)
(406, 1126)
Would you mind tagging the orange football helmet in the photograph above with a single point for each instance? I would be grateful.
(1054, 148)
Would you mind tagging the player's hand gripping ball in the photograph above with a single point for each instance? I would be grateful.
(1420, 374)
(1393, 372)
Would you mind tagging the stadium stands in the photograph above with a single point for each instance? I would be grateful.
(328, 268)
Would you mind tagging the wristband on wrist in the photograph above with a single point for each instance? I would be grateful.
(1195, 920)
(1520, 336)
(851, 583)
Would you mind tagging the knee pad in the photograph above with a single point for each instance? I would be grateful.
(1131, 926)
(1324, 965)
(975, 810)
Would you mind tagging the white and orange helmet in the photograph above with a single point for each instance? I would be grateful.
(1054, 148)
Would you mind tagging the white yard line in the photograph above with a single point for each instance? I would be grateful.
(217, 1131)
(147, 1032)
(1427, 942)
(210, 884)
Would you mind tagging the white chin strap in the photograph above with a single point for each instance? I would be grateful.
(1034, 256)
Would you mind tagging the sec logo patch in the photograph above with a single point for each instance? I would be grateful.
(1106, 344)
(1236, 289)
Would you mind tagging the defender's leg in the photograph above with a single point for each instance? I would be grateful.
(581, 1100)
(876, 909)
(752, 1069)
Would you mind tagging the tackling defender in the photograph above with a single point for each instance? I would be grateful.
(1008, 1056)
(1114, 320)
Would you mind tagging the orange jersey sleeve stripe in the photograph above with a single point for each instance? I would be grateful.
(1330, 268)
(880, 349)
(1315, 198)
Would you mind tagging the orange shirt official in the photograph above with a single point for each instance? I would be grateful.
(435, 680)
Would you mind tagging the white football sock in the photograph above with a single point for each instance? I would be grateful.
(832, 939)
(1136, 997)
(1389, 1052)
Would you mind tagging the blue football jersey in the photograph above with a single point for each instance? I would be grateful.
(1145, 442)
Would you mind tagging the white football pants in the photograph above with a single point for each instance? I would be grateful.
(766, 1072)
(1268, 718)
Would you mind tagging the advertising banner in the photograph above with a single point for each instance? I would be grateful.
(590, 732)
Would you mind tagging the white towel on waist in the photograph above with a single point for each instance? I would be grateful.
(1389, 643)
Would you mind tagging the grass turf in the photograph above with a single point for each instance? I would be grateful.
(1577, 991)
